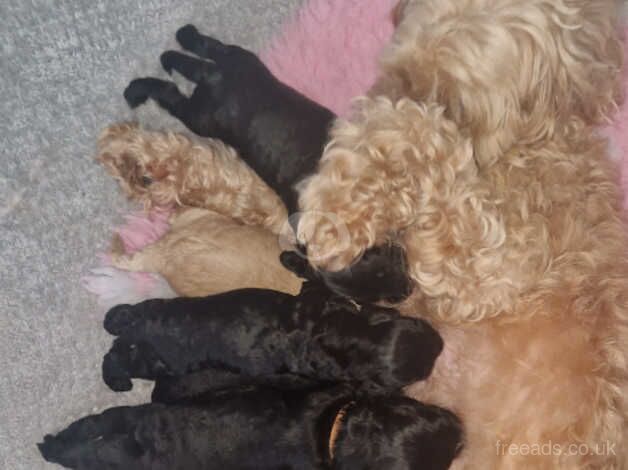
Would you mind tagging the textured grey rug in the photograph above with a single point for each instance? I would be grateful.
(63, 66)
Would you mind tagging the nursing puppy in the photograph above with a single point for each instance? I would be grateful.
(271, 335)
(202, 254)
(207, 253)
(263, 429)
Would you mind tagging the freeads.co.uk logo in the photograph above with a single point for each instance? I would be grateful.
(550, 448)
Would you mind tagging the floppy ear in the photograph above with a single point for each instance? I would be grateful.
(298, 264)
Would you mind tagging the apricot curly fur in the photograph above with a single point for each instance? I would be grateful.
(166, 168)
(477, 151)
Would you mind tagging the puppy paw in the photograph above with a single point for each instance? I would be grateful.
(120, 319)
(51, 449)
(187, 35)
(137, 93)
(167, 60)
(117, 383)
(114, 374)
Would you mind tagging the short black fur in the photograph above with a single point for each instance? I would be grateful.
(258, 428)
(269, 336)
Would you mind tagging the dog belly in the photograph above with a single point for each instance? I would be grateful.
(529, 395)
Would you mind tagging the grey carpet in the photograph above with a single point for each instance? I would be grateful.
(63, 66)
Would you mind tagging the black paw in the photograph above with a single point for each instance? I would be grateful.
(136, 93)
(298, 264)
(50, 448)
(114, 375)
(168, 60)
(118, 384)
(120, 319)
(187, 35)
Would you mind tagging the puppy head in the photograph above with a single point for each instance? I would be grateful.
(380, 275)
(143, 170)
(509, 71)
(408, 346)
(396, 433)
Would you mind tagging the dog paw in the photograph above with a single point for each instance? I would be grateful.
(137, 93)
(167, 60)
(187, 35)
(120, 319)
(118, 384)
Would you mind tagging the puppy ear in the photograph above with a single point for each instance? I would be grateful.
(298, 264)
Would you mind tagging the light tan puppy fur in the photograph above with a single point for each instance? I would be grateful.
(207, 253)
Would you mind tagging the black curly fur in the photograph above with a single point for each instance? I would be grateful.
(262, 429)
(260, 333)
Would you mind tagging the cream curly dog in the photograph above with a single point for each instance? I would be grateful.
(477, 150)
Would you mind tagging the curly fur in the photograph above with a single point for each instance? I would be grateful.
(165, 168)
(507, 71)
(268, 335)
(510, 216)
(477, 151)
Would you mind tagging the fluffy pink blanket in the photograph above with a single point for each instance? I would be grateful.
(328, 51)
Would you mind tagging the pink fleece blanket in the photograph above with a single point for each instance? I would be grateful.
(328, 51)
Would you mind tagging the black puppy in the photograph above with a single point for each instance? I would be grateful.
(380, 275)
(263, 429)
(277, 131)
(266, 335)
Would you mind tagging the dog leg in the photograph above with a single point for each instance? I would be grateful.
(95, 441)
(203, 46)
(166, 168)
(165, 93)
